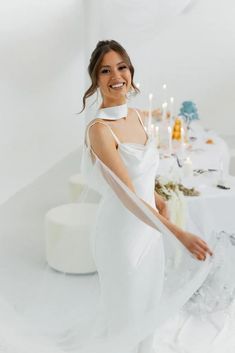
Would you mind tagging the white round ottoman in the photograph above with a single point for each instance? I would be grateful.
(68, 230)
(76, 185)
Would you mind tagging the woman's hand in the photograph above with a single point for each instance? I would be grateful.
(195, 245)
(161, 205)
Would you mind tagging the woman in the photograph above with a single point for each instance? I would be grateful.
(130, 255)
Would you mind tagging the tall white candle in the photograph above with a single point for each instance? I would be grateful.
(164, 108)
(150, 112)
(188, 167)
(164, 87)
(221, 170)
(152, 130)
(170, 139)
(172, 107)
(182, 134)
(157, 135)
(182, 139)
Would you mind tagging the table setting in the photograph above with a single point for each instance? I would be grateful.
(210, 207)
(193, 174)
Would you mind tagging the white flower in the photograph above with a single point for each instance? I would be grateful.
(163, 180)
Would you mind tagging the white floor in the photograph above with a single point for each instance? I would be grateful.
(22, 257)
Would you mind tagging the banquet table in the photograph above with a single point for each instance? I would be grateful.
(206, 150)
(213, 209)
(209, 155)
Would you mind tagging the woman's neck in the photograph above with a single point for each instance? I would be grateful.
(115, 112)
(112, 103)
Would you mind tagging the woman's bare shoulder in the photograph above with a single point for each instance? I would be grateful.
(94, 122)
(97, 124)
(99, 131)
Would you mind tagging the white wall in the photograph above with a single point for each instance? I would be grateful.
(40, 87)
(193, 53)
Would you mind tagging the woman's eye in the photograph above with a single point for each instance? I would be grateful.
(104, 71)
(123, 67)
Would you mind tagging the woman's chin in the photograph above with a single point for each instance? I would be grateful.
(119, 94)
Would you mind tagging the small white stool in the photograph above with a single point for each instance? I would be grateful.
(68, 229)
(76, 185)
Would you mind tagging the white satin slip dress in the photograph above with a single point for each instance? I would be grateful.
(140, 284)
(129, 254)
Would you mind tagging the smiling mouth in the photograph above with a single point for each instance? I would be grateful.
(117, 85)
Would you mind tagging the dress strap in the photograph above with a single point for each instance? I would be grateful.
(141, 122)
(140, 119)
(100, 122)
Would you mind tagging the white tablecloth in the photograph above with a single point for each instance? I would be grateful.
(213, 210)
(204, 155)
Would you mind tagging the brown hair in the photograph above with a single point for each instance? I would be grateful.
(103, 47)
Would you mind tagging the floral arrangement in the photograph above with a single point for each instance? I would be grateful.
(165, 188)
(189, 111)
(174, 193)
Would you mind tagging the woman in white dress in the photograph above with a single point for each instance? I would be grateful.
(130, 255)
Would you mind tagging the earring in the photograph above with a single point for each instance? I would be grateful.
(99, 96)
(130, 93)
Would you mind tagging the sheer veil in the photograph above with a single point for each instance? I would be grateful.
(45, 316)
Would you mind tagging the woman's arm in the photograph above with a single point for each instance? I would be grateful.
(161, 205)
(197, 246)
(104, 146)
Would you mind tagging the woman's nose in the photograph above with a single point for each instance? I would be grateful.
(115, 74)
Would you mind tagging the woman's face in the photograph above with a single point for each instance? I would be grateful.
(114, 78)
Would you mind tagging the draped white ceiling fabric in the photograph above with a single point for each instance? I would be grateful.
(137, 19)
